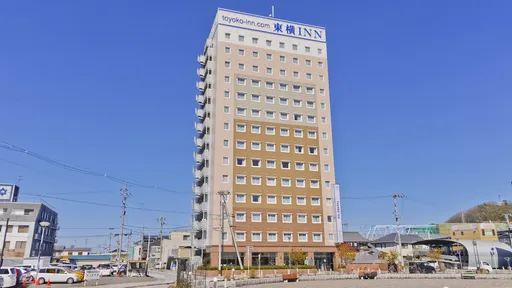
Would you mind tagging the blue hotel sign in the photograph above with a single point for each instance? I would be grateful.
(295, 30)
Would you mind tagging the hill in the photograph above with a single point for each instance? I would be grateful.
(483, 213)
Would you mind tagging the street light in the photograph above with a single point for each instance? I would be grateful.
(43, 225)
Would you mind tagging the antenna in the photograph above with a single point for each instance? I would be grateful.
(272, 14)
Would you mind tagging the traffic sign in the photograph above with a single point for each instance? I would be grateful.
(458, 251)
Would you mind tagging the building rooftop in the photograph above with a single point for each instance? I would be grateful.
(392, 238)
(354, 237)
(81, 249)
(90, 257)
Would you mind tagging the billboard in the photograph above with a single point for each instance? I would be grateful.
(8, 193)
(336, 212)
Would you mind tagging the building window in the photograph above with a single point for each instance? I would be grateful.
(268, 56)
(322, 106)
(312, 134)
(329, 218)
(316, 219)
(283, 116)
(324, 120)
(315, 201)
(283, 101)
(240, 179)
(241, 111)
(320, 64)
(287, 218)
(296, 88)
(256, 146)
(282, 58)
(255, 129)
(272, 237)
(23, 228)
(255, 83)
(321, 78)
(271, 181)
(226, 94)
(227, 64)
(227, 50)
(299, 149)
(330, 237)
(294, 47)
(270, 114)
(295, 74)
(271, 164)
(299, 133)
(225, 160)
(308, 62)
(227, 36)
(226, 126)
(256, 198)
(297, 117)
(240, 127)
(271, 147)
(225, 179)
(240, 144)
(269, 42)
(322, 92)
(282, 72)
(310, 90)
(256, 236)
(241, 81)
(241, 52)
(255, 180)
(240, 198)
(326, 167)
(269, 85)
(311, 119)
(255, 112)
(255, 98)
(272, 199)
(284, 131)
(301, 200)
(241, 96)
(287, 237)
(256, 163)
(302, 218)
(326, 151)
(240, 162)
(285, 148)
(225, 143)
(240, 216)
(299, 166)
(285, 165)
(303, 237)
(283, 87)
(281, 45)
(269, 99)
(310, 104)
(255, 54)
(319, 51)
(269, 70)
(254, 40)
(329, 201)
(256, 217)
(300, 183)
(241, 66)
(297, 103)
(240, 236)
(313, 150)
(313, 166)
(270, 130)
(327, 184)
(227, 79)
(241, 38)
(286, 182)
(307, 49)
(317, 237)
(309, 76)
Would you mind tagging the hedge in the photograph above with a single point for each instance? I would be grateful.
(275, 267)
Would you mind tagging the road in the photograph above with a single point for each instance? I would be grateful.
(393, 283)
(106, 281)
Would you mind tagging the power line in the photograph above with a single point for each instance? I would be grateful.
(60, 164)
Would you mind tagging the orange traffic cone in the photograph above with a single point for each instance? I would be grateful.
(38, 282)
(48, 283)
(118, 274)
(33, 280)
(24, 284)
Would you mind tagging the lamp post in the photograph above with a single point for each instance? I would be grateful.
(43, 225)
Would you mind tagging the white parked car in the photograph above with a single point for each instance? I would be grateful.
(105, 269)
(8, 274)
(56, 274)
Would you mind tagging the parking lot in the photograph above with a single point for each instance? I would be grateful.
(393, 283)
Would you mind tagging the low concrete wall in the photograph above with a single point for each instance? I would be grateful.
(264, 273)
(366, 267)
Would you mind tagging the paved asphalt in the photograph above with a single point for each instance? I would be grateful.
(105, 281)
(393, 283)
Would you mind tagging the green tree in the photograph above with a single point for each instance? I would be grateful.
(392, 256)
(297, 256)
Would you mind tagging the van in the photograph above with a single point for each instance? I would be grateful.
(56, 275)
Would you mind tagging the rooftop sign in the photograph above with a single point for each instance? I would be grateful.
(270, 25)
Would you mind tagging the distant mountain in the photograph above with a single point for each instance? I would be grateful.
(485, 212)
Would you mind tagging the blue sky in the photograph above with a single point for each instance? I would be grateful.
(420, 95)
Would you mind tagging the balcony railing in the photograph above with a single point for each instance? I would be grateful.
(199, 142)
(201, 59)
(200, 99)
(201, 72)
(201, 85)
(200, 113)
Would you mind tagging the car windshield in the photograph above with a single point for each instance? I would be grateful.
(4, 271)
(104, 265)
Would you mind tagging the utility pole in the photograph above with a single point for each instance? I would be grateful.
(141, 243)
(124, 195)
(3, 242)
(110, 235)
(162, 223)
(222, 199)
(400, 259)
(508, 229)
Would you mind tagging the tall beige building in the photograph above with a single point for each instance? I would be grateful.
(264, 135)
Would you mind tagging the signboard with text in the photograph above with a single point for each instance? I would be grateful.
(270, 25)
(8, 193)
(338, 225)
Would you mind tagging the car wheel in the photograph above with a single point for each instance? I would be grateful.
(41, 280)
(70, 281)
